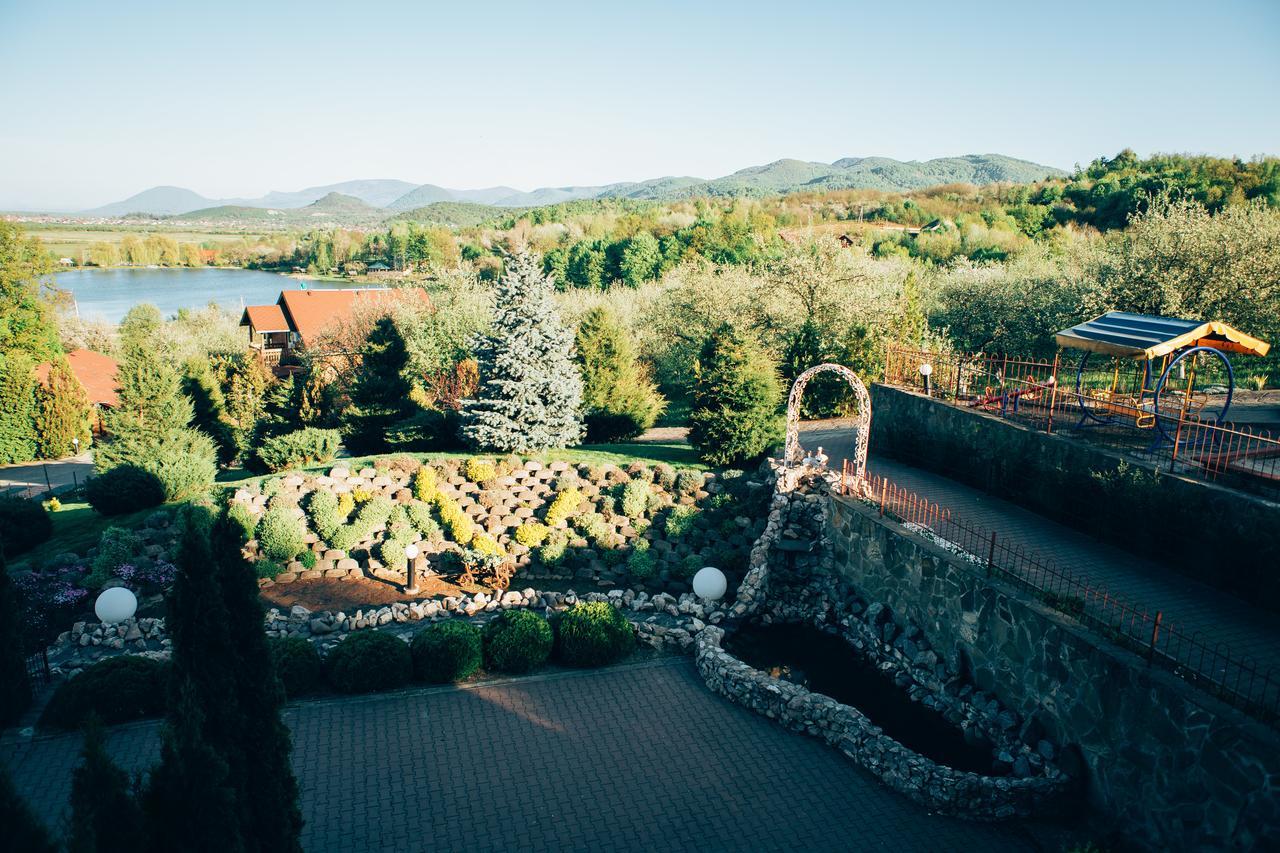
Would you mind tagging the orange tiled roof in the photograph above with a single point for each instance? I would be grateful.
(310, 312)
(264, 318)
(96, 372)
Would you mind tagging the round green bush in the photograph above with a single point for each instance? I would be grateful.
(517, 641)
(125, 488)
(281, 534)
(117, 690)
(298, 665)
(447, 651)
(593, 633)
(367, 662)
(24, 524)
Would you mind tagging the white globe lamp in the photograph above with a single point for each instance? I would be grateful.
(411, 551)
(710, 583)
(115, 604)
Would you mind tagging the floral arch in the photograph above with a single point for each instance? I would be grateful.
(793, 453)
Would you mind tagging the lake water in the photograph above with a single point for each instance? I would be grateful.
(109, 294)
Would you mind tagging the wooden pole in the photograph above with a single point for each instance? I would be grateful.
(1053, 392)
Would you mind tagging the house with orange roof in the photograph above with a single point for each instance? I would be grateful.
(300, 318)
(97, 375)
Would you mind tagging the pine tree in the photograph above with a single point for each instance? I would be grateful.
(62, 414)
(16, 695)
(17, 408)
(209, 407)
(21, 829)
(151, 406)
(105, 815)
(530, 393)
(736, 395)
(380, 393)
(619, 400)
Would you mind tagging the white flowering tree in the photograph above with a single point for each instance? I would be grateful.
(530, 394)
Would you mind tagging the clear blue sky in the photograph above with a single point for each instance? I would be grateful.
(103, 98)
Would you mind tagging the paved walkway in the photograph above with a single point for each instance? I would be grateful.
(640, 758)
(1186, 603)
(29, 478)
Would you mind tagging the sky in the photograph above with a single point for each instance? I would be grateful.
(100, 100)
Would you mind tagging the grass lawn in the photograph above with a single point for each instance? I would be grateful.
(77, 528)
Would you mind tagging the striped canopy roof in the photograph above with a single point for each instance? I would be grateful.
(1146, 336)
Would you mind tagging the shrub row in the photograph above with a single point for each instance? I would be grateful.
(23, 525)
(299, 448)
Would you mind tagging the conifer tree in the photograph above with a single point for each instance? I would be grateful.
(21, 829)
(62, 414)
(151, 406)
(380, 393)
(736, 395)
(619, 400)
(26, 324)
(530, 394)
(268, 791)
(17, 407)
(105, 814)
(209, 407)
(16, 695)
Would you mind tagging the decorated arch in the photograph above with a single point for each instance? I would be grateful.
(793, 453)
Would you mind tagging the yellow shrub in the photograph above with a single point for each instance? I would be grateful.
(361, 496)
(481, 470)
(424, 483)
(459, 525)
(565, 505)
(531, 534)
(346, 503)
(486, 544)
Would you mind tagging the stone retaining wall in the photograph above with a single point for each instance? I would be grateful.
(1173, 768)
(1082, 485)
(939, 788)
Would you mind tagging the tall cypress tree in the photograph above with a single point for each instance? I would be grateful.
(105, 815)
(270, 811)
(380, 393)
(16, 695)
(736, 395)
(619, 400)
(530, 394)
(21, 829)
(191, 799)
(63, 412)
(17, 407)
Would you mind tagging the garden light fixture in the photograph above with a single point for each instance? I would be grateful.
(115, 605)
(710, 583)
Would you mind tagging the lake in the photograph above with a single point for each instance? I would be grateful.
(109, 294)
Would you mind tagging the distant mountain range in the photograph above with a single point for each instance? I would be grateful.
(779, 177)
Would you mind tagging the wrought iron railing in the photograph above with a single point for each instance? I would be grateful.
(1214, 667)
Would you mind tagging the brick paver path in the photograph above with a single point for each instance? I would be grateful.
(631, 758)
(1186, 603)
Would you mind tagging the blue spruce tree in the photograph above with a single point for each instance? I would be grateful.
(530, 394)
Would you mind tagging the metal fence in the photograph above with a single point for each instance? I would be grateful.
(1036, 393)
(1213, 667)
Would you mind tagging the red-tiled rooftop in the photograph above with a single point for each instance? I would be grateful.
(265, 318)
(96, 372)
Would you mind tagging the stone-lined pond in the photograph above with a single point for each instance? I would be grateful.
(825, 663)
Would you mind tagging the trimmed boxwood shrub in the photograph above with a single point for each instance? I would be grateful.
(298, 665)
(298, 448)
(517, 641)
(367, 662)
(24, 524)
(447, 651)
(242, 519)
(593, 633)
(281, 534)
(125, 488)
(117, 689)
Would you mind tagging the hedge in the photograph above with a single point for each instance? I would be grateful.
(593, 633)
(297, 448)
(367, 662)
(298, 665)
(119, 689)
(125, 488)
(517, 641)
(447, 651)
(24, 524)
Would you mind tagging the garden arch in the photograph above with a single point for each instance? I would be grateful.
(793, 453)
